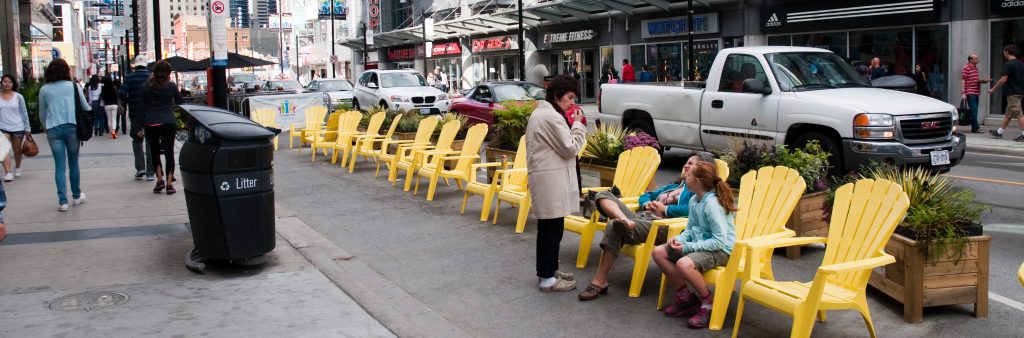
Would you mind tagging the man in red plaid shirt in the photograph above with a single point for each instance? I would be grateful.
(971, 85)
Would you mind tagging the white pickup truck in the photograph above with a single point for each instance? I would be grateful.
(791, 95)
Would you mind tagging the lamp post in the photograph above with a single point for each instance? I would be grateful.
(334, 65)
(135, 28)
(366, 47)
(690, 64)
(280, 30)
(522, 52)
(423, 30)
(236, 40)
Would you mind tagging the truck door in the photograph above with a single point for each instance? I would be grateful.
(730, 116)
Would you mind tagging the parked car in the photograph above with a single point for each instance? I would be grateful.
(279, 85)
(244, 81)
(398, 89)
(339, 91)
(791, 96)
(479, 101)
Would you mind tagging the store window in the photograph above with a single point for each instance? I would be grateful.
(668, 60)
(780, 40)
(835, 42)
(704, 52)
(1004, 33)
(891, 46)
(930, 51)
(452, 68)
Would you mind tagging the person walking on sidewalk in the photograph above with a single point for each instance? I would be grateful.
(108, 98)
(13, 123)
(159, 96)
(551, 148)
(122, 111)
(628, 74)
(626, 227)
(971, 84)
(93, 91)
(5, 152)
(1013, 78)
(705, 244)
(130, 94)
(57, 113)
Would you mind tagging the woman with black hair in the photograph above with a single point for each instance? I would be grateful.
(108, 98)
(13, 123)
(551, 148)
(93, 91)
(159, 96)
(57, 101)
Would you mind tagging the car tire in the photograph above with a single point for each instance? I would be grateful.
(355, 105)
(829, 144)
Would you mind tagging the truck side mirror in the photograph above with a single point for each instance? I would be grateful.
(372, 85)
(756, 86)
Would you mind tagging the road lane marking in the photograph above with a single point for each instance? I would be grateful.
(1006, 301)
(1004, 163)
(983, 179)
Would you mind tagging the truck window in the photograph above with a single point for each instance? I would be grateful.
(800, 71)
(739, 67)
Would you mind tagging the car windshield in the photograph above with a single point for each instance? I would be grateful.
(801, 71)
(510, 93)
(285, 84)
(535, 91)
(402, 79)
(334, 86)
(240, 78)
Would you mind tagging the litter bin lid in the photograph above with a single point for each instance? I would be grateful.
(225, 124)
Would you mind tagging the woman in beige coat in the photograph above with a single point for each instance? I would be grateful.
(551, 148)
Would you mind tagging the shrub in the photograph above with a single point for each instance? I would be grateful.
(463, 127)
(510, 123)
(605, 142)
(409, 122)
(640, 139)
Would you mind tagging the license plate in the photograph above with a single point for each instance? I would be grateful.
(940, 157)
(424, 111)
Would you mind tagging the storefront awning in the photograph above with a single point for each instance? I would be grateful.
(541, 14)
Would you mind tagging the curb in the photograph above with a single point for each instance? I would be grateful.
(995, 150)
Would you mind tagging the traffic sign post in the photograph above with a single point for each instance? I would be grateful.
(219, 58)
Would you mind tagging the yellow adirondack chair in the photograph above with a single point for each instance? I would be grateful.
(365, 144)
(487, 190)
(434, 161)
(407, 157)
(324, 138)
(863, 218)
(423, 133)
(633, 172)
(314, 120)
(1020, 274)
(767, 198)
(348, 126)
(266, 118)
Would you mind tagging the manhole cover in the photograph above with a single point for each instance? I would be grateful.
(87, 301)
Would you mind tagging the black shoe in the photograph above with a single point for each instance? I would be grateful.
(995, 134)
(139, 175)
(977, 131)
(1019, 138)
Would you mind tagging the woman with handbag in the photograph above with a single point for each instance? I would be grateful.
(13, 123)
(59, 100)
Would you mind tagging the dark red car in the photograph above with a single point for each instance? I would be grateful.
(478, 102)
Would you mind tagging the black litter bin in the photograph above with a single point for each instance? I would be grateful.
(227, 171)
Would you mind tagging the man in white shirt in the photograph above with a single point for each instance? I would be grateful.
(441, 79)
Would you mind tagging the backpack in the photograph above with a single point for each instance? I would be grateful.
(83, 117)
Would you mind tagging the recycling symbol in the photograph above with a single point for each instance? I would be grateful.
(224, 186)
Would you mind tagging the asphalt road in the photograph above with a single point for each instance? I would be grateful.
(480, 276)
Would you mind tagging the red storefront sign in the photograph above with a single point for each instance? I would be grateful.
(445, 48)
(497, 43)
(402, 54)
(374, 14)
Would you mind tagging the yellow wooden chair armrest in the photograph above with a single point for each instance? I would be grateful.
(487, 165)
(506, 172)
(450, 158)
(672, 221)
(594, 189)
(773, 243)
(858, 265)
(628, 200)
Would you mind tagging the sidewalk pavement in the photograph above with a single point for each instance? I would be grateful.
(976, 143)
(114, 265)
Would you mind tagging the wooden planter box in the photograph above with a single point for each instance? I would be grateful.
(606, 171)
(807, 220)
(918, 284)
(404, 136)
(457, 144)
(494, 155)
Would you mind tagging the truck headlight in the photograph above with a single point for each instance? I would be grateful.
(956, 121)
(874, 126)
(396, 98)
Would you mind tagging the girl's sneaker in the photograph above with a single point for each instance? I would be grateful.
(17, 172)
(8, 177)
(703, 316)
(686, 302)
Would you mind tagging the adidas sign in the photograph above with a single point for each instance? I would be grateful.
(773, 21)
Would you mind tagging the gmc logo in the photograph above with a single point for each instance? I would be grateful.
(930, 125)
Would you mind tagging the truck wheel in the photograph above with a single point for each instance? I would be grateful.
(355, 105)
(646, 127)
(384, 104)
(828, 144)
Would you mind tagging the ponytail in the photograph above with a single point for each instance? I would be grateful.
(707, 175)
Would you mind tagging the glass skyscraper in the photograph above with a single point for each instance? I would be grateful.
(240, 13)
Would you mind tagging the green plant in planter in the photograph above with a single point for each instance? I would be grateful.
(463, 120)
(343, 107)
(605, 143)
(744, 156)
(409, 121)
(30, 90)
(811, 162)
(939, 211)
(510, 123)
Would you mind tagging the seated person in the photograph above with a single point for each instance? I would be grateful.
(626, 227)
(705, 244)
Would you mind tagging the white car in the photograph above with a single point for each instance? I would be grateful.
(399, 89)
(338, 90)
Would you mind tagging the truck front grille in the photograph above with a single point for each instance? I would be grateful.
(926, 129)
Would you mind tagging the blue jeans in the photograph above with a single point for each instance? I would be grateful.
(63, 141)
(3, 202)
(972, 104)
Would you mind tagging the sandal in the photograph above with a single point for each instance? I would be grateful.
(592, 292)
(560, 285)
(159, 187)
(170, 189)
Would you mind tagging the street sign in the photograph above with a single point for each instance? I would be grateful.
(428, 28)
(369, 37)
(219, 33)
(117, 27)
(334, 59)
